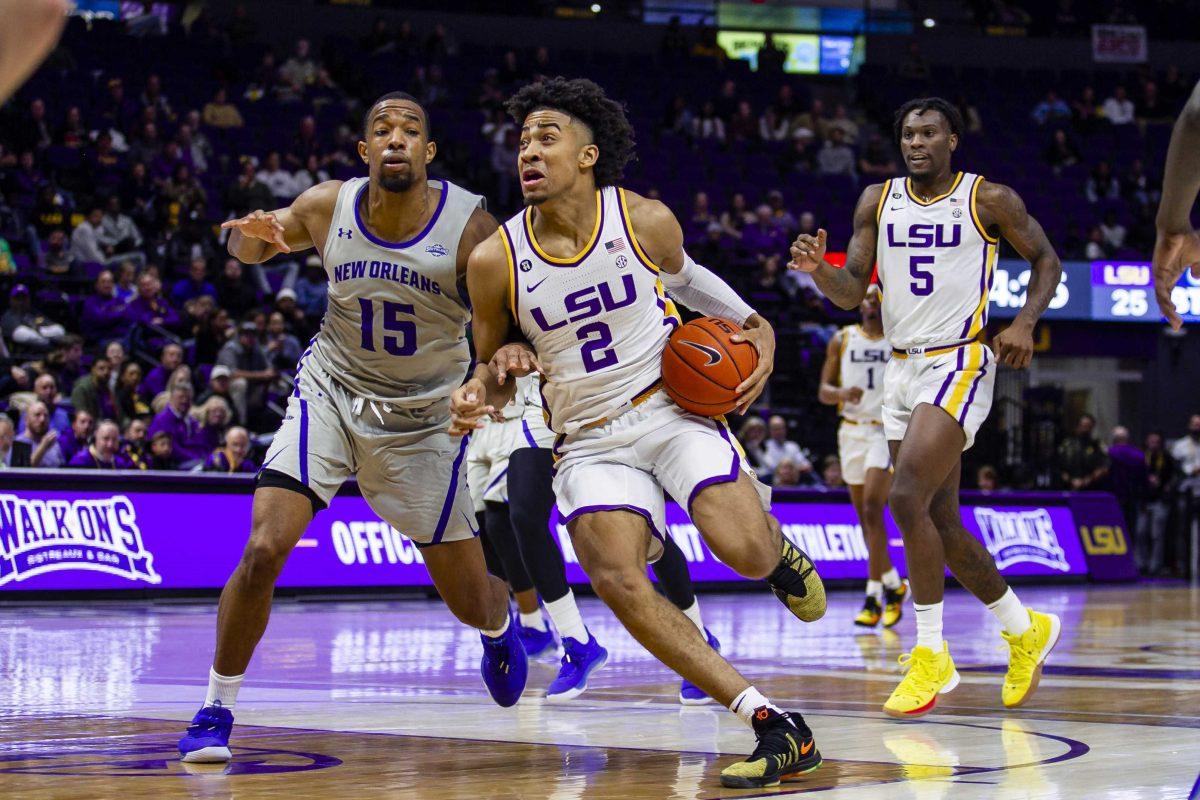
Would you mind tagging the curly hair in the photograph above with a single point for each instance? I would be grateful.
(922, 104)
(585, 101)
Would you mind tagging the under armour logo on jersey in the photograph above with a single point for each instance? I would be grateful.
(345, 233)
(526, 265)
(436, 250)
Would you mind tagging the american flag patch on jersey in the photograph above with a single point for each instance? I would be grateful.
(615, 246)
(955, 201)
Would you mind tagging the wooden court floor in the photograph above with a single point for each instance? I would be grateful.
(364, 700)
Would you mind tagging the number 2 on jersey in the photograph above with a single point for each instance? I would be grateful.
(403, 345)
(597, 354)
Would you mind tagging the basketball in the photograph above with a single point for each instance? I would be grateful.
(702, 367)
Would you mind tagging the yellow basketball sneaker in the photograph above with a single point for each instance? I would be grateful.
(1026, 654)
(929, 674)
(871, 613)
(893, 599)
(797, 584)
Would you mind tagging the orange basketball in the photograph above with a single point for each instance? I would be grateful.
(702, 368)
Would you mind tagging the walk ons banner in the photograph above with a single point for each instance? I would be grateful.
(184, 532)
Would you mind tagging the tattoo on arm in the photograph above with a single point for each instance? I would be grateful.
(846, 287)
(1002, 207)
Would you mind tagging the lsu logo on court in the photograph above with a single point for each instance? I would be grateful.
(1013, 537)
(1103, 540)
(39, 536)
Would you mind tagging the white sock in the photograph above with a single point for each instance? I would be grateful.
(749, 701)
(692, 612)
(929, 626)
(533, 620)
(496, 634)
(565, 615)
(222, 689)
(1012, 615)
(874, 589)
(891, 579)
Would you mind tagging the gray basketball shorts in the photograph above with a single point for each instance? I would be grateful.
(410, 471)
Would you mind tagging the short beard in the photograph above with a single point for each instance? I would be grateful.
(397, 184)
(534, 201)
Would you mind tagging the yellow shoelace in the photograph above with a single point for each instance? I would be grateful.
(922, 679)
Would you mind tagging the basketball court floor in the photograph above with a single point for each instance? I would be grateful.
(374, 699)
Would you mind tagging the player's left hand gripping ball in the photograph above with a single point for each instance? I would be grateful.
(758, 332)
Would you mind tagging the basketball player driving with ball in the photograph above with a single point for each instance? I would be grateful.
(581, 276)
(936, 235)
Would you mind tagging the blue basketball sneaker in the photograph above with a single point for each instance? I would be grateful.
(689, 693)
(536, 641)
(504, 666)
(580, 660)
(207, 738)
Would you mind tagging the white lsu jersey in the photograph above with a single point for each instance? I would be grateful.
(863, 360)
(599, 321)
(395, 327)
(936, 263)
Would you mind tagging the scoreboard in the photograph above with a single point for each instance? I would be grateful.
(1106, 291)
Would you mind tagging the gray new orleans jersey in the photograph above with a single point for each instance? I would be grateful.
(395, 328)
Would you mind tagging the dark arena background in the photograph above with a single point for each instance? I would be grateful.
(146, 371)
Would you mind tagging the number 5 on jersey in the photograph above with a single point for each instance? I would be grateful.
(403, 344)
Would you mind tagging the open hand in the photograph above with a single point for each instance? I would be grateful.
(260, 225)
(516, 359)
(1173, 253)
(808, 251)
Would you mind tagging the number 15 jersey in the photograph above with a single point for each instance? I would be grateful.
(936, 263)
(598, 321)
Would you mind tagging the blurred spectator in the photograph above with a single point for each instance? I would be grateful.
(28, 332)
(248, 193)
(252, 371)
(778, 447)
(12, 452)
(678, 118)
(219, 380)
(160, 452)
(213, 416)
(149, 307)
(1118, 108)
(1085, 112)
(753, 438)
(1081, 460)
(211, 336)
(104, 451)
(41, 438)
(1174, 89)
(92, 394)
(183, 428)
(298, 72)
(34, 132)
(119, 233)
(45, 388)
(1102, 184)
(1139, 187)
(104, 315)
(66, 360)
(57, 257)
(764, 237)
(835, 157)
(170, 357)
(85, 241)
(787, 473)
(304, 144)
(1096, 247)
(283, 349)
(743, 125)
(914, 66)
(131, 402)
(1052, 108)
(1112, 231)
(194, 143)
(706, 46)
(987, 479)
(310, 174)
(1061, 152)
(735, 218)
(876, 161)
(811, 123)
(182, 376)
(831, 472)
(784, 219)
(843, 122)
(277, 180)
(1161, 474)
(194, 285)
(771, 57)
(1186, 451)
(82, 424)
(312, 288)
(115, 353)
(126, 286)
(133, 443)
(728, 99)
(1151, 108)
(707, 126)
(234, 293)
(770, 127)
(1126, 474)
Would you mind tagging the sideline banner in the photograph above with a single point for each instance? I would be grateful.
(188, 534)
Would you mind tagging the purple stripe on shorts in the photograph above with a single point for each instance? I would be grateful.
(448, 503)
(496, 480)
(982, 278)
(974, 385)
(299, 367)
(304, 442)
(937, 401)
(528, 434)
(725, 477)
(617, 507)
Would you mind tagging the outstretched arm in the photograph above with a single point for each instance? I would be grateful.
(659, 235)
(1178, 245)
(261, 235)
(845, 287)
(491, 325)
(1000, 208)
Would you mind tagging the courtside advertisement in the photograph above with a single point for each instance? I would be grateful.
(104, 540)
